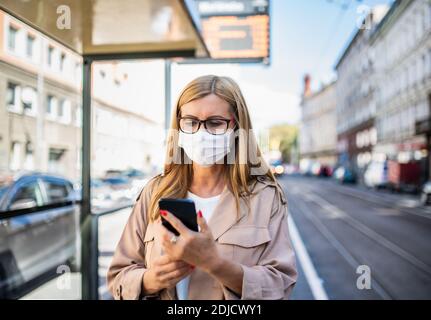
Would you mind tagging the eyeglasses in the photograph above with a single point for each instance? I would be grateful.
(214, 125)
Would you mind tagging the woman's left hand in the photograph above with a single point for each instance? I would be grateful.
(196, 248)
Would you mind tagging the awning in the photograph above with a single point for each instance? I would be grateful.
(112, 28)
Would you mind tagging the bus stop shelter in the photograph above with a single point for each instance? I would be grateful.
(110, 30)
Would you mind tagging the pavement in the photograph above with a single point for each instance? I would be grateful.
(110, 229)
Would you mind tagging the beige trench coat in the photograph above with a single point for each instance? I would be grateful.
(257, 239)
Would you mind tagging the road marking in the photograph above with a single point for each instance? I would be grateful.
(356, 224)
(381, 199)
(351, 260)
(310, 272)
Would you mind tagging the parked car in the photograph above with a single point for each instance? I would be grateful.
(306, 167)
(322, 170)
(276, 167)
(133, 173)
(122, 188)
(404, 176)
(291, 169)
(100, 194)
(344, 174)
(376, 174)
(426, 193)
(39, 221)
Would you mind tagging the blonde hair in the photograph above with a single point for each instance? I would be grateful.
(177, 176)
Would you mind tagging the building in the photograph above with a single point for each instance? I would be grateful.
(356, 97)
(318, 137)
(402, 46)
(40, 109)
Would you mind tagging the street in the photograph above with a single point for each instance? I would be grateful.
(344, 227)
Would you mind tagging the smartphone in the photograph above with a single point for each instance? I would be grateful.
(183, 209)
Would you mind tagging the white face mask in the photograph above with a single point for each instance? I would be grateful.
(205, 148)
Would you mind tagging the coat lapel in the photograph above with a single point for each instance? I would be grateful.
(225, 215)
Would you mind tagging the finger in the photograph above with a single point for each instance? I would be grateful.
(172, 266)
(174, 274)
(174, 221)
(166, 235)
(162, 260)
(174, 250)
(161, 232)
(174, 281)
(202, 223)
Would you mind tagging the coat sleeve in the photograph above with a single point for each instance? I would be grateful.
(125, 274)
(274, 277)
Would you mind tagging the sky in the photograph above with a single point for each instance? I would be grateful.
(307, 36)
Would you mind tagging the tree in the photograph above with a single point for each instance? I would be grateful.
(284, 138)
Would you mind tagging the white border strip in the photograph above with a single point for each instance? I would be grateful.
(310, 272)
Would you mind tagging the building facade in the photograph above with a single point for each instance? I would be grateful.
(41, 112)
(402, 45)
(318, 137)
(356, 97)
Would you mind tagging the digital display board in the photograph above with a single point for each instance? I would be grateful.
(236, 30)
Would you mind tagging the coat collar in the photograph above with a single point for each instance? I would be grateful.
(225, 214)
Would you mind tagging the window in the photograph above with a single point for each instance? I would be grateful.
(30, 46)
(11, 94)
(56, 160)
(64, 111)
(51, 105)
(29, 159)
(13, 33)
(78, 116)
(57, 191)
(50, 55)
(13, 101)
(61, 109)
(15, 157)
(27, 196)
(78, 70)
(29, 100)
(62, 61)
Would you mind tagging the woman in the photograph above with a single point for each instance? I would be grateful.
(242, 249)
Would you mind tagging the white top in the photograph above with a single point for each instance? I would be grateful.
(207, 206)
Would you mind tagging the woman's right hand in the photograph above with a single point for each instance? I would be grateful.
(164, 273)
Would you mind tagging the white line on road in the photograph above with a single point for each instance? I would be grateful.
(310, 272)
(370, 233)
(352, 261)
(388, 202)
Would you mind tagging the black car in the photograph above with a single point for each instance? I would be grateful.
(39, 224)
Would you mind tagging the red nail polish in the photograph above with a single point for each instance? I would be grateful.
(163, 212)
(200, 214)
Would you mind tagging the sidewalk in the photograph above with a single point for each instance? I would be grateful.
(110, 228)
